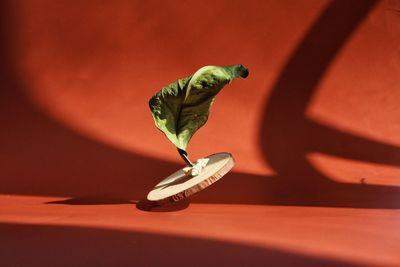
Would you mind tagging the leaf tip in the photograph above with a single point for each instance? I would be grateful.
(239, 70)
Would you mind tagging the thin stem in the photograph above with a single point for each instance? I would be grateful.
(185, 157)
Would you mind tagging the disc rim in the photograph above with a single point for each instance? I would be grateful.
(185, 193)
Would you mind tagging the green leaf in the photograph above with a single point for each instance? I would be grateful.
(182, 107)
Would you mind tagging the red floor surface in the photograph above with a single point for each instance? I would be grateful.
(39, 231)
(314, 129)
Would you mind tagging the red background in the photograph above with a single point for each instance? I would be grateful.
(316, 123)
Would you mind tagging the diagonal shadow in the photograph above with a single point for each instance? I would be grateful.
(40, 156)
(287, 136)
(51, 245)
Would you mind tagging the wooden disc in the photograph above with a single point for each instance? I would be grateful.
(178, 186)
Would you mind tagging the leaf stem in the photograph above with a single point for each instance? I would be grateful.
(185, 157)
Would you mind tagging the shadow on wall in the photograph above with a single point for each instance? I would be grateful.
(46, 245)
(39, 156)
(287, 136)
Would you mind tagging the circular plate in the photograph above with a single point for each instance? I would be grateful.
(178, 186)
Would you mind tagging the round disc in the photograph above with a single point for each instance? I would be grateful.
(178, 186)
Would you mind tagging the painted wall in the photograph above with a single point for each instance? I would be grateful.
(317, 122)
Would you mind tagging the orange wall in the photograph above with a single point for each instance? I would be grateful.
(317, 122)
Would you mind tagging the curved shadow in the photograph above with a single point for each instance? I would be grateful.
(40, 156)
(287, 136)
(47, 245)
